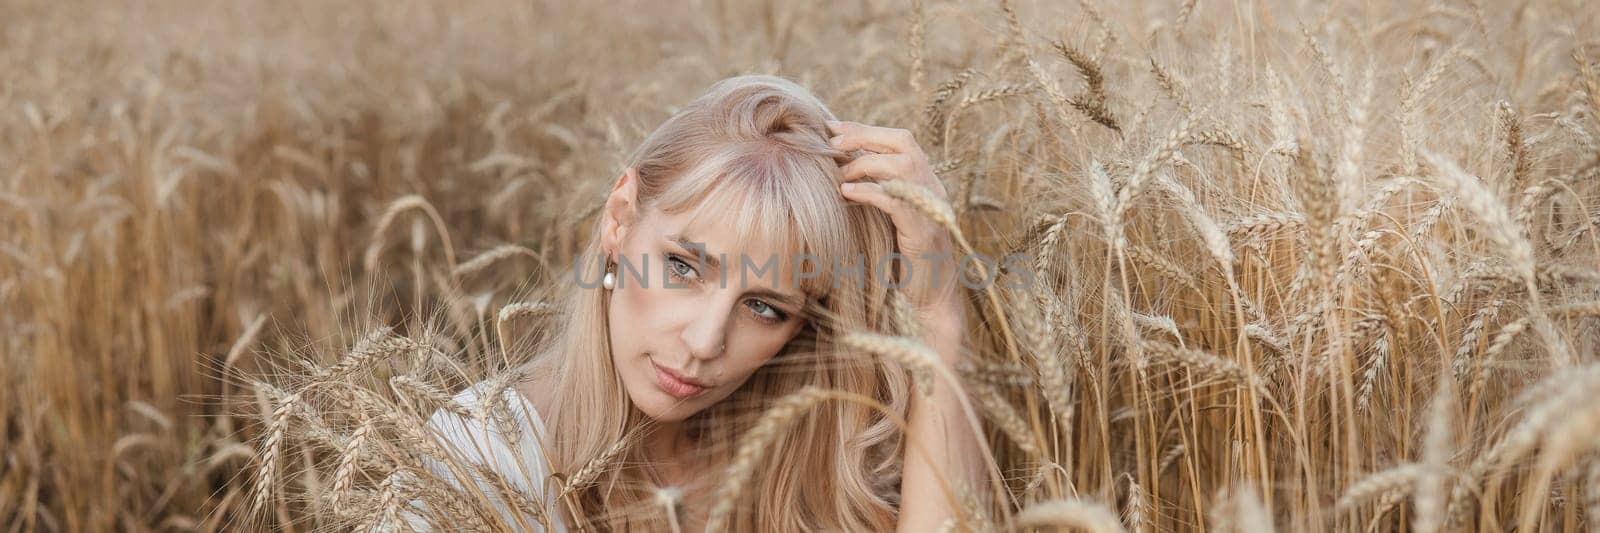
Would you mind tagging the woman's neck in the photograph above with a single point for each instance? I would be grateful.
(671, 449)
(676, 462)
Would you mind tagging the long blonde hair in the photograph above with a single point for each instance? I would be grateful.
(754, 146)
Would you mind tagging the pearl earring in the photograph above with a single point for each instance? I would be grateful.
(610, 280)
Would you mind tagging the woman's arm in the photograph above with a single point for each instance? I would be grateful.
(941, 447)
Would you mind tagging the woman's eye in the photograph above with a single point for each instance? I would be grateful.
(766, 311)
(681, 268)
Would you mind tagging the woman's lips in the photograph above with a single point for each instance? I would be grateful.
(675, 384)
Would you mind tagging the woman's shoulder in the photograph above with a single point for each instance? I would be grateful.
(489, 418)
(537, 388)
(489, 394)
(495, 437)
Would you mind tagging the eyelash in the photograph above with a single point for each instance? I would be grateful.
(777, 316)
(673, 261)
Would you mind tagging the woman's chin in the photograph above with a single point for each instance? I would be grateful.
(662, 407)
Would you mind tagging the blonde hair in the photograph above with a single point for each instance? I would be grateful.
(754, 146)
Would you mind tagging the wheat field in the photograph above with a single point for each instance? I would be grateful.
(1304, 266)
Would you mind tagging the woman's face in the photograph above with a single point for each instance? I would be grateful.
(682, 339)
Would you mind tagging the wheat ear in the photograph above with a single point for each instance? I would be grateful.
(272, 446)
(1397, 480)
(349, 458)
(938, 210)
(915, 357)
(1006, 417)
(494, 255)
(1069, 513)
(592, 469)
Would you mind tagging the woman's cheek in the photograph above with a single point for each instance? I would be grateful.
(765, 349)
(646, 302)
(638, 311)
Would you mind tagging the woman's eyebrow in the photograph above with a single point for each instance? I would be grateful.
(790, 300)
(702, 253)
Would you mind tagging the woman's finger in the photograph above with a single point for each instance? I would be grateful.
(914, 235)
(881, 166)
(872, 194)
(904, 167)
(851, 136)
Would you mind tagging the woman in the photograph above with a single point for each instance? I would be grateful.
(726, 250)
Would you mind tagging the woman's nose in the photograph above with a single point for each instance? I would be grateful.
(707, 331)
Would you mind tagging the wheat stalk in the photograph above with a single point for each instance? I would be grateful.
(933, 114)
(1069, 513)
(494, 255)
(753, 447)
(1216, 240)
(1469, 335)
(919, 360)
(939, 211)
(391, 498)
(667, 498)
(1436, 449)
(1379, 362)
(1093, 102)
(591, 470)
(378, 344)
(1137, 506)
(1006, 417)
(1173, 87)
(272, 447)
(915, 42)
(1257, 227)
(1152, 162)
(1243, 511)
(1504, 230)
(411, 387)
(1414, 94)
(391, 213)
(349, 457)
(1511, 331)
(1204, 364)
(1398, 480)
(1516, 150)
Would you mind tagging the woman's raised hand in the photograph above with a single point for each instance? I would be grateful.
(939, 449)
(932, 283)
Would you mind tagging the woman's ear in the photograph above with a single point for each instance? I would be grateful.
(620, 212)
